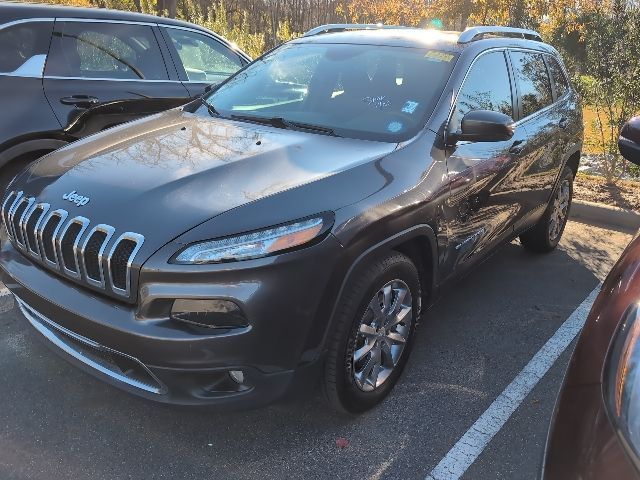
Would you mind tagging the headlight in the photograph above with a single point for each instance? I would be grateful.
(622, 382)
(254, 245)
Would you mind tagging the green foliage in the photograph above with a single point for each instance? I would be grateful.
(611, 85)
(234, 27)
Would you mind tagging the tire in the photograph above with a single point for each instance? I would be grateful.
(346, 384)
(544, 236)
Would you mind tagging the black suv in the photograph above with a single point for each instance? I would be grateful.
(295, 222)
(68, 72)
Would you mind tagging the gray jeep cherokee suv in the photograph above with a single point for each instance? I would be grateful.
(292, 225)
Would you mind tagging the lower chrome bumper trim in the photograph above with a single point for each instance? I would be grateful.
(98, 357)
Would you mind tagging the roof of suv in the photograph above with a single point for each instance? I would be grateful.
(10, 10)
(419, 37)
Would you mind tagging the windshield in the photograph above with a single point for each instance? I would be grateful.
(376, 92)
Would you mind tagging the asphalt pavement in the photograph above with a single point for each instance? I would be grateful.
(57, 422)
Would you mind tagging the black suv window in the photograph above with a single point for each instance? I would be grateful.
(487, 87)
(105, 50)
(204, 59)
(559, 78)
(533, 81)
(22, 43)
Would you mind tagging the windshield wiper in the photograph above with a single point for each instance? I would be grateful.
(280, 122)
(315, 128)
(210, 108)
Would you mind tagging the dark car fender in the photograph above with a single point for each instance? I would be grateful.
(343, 276)
(31, 146)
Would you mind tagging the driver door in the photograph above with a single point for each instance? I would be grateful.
(484, 199)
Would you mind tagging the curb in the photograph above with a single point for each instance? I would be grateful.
(605, 214)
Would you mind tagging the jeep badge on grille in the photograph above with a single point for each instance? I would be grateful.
(79, 200)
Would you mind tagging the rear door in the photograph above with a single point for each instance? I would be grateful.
(102, 66)
(484, 202)
(541, 156)
(23, 52)
(201, 59)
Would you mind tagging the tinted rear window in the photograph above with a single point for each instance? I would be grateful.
(533, 81)
(559, 78)
(105, 50)
(21, 43)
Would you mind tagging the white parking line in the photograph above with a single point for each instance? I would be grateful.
(475, 440)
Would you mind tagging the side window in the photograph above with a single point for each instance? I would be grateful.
(487, 87)
(105, 50)
(533, 81)
(559, 78)
(204, 59)
(23, 48)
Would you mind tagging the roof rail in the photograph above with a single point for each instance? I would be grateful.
(476, 33)
(345, 27)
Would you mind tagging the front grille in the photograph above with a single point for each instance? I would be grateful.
(69, 247)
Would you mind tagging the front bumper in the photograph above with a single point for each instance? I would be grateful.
(162, 360)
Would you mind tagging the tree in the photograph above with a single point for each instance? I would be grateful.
(611, 85)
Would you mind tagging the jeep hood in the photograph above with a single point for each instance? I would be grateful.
(165, 174)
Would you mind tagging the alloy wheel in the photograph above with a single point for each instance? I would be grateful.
(382, 335)
(560, 210)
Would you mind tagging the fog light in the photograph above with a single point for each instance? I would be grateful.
(237, 376)
(210, 313)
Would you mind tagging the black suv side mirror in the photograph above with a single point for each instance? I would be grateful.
(629, 141)
(485, 126)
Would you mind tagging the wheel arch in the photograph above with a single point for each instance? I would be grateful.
(418, 243)
(29, 147)
(573, 162)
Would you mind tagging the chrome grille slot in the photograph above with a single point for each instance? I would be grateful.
(6, 208)
(93, 250)
(68, 242)
(52, 224)
(17, 217)
(31, 225)
(69, 246)
(120, 257)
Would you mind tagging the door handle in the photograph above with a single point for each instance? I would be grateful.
(80, 101)
(563, 123)
(517, 147)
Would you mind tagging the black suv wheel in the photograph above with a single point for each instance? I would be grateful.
(546, 234)
(374, 334)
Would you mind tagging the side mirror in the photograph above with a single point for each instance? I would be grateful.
(485, 126)
(629, 141)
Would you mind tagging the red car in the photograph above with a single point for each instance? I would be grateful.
(595, 433)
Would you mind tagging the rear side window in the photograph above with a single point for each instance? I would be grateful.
(558, 76)
(24, 46)
(105, 50)
(533, 81)
(487, 87)
(203, 58)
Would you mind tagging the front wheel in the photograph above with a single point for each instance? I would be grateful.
(545, 235)
(373, 334)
